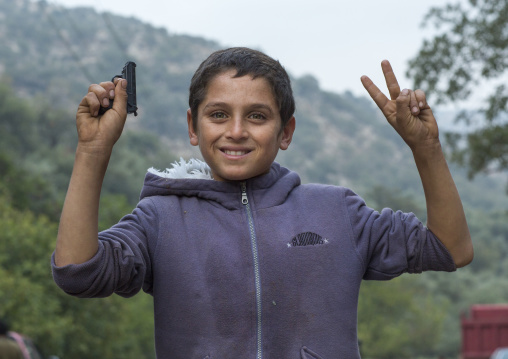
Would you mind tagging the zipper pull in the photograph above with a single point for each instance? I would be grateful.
(245, 200)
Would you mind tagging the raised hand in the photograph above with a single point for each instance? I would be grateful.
(77, 234)
(410, 115)
(98, 133)
(407, 111)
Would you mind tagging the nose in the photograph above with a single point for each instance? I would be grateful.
(237, 129)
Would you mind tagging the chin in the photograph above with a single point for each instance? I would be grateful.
(243, 176)
(238, 177)
(232, 175)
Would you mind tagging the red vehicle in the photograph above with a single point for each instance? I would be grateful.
(484, 330)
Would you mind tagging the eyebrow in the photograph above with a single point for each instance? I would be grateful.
(253, 106)
(214, 104)
(261, 106)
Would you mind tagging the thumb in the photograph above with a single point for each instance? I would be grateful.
(120, 102)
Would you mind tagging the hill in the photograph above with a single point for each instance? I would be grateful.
(51, 54)
(55, 53)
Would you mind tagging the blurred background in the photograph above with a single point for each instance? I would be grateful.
(52, 50)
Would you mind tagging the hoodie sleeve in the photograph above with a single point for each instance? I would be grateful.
(391, 243)
(122, 264)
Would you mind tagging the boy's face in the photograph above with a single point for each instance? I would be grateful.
(239, 127)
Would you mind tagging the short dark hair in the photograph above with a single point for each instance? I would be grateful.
(246, 62)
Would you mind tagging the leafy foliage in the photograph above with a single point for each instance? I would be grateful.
(60, 324)
(470, 51)
(36, 157)
(386, 331)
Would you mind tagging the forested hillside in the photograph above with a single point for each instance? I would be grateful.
(49, 56)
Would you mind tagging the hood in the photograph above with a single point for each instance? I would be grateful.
(193, 179)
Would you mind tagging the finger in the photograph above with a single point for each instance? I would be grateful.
(403, 102)
(120, 103)
(425, 110)
(413, 104)
(116, 79)
(110, 88)
(421, 99)
(391, 80)
(101, 91)
(90, 104)
(375, 93)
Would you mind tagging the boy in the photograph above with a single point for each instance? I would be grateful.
(241, 259)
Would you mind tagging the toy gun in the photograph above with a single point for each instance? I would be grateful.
(128, 73)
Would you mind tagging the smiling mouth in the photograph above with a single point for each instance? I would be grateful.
(235, 153)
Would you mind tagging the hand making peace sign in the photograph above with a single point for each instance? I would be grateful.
(407, 110)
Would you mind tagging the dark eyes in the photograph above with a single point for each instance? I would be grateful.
(219, 115)
(257, 116)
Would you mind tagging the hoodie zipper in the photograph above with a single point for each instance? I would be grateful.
(254, 246)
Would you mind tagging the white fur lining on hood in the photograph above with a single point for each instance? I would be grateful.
(194, 168)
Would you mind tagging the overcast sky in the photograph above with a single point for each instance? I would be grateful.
(337, 41)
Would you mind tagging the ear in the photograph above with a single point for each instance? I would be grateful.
(287, 133)
(193, 136)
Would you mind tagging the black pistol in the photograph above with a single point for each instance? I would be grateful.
(128, 73)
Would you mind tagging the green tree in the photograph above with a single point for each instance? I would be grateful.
(26, 190)
(18, 134)
(133, 154)
(399, 319)
(469, 49)
(60, 324)
(379, 197)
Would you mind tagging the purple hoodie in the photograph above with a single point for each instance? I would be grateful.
(266, 268)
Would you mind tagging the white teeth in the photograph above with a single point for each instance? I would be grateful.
(235, 153)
